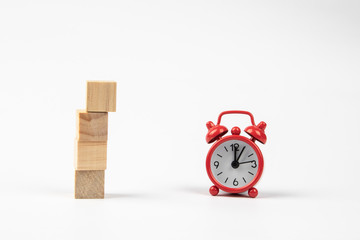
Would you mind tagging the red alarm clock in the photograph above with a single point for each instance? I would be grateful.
(235, 163)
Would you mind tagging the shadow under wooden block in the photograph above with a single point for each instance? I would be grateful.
(101, 96)
(89, 184)
(91, 127)
(90, 155)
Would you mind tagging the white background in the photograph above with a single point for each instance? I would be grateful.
(178, 64)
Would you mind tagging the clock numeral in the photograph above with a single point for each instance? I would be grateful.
(216, 164)
(235, 183)
(254, 165)
(234, 147)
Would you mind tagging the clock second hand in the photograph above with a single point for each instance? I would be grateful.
(247, 162)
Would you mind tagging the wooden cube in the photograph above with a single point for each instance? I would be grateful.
(90, 155)
(91, 127)
(101, 96)
(89, 184)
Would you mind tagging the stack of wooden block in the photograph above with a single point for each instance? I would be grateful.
(91, 139)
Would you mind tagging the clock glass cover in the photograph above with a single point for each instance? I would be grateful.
(234, 164)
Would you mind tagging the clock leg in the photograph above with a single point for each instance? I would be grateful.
(214, 190)
(253, 192)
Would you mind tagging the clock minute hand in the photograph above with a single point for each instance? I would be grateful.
(235, 154)
(242, 150)
(234, 163)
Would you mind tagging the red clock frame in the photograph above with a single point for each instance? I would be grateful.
(259, 171)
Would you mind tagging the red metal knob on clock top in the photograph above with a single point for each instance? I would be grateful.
(215, 132)
(257, 132)
(235, 131)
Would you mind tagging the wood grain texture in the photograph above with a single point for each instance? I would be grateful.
(101, 96)
(90, 155)
(91, 127)
(89, 184)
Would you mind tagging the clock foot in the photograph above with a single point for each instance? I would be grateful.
(253, 192)
(214, 190)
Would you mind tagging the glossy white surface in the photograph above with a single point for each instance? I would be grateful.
(293, 64)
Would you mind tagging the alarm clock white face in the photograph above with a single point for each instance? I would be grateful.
(234, 164)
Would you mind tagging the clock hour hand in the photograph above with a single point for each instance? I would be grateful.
(242, 150)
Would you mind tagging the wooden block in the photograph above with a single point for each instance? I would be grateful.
(89, 184)
(91, 127)
(90, 155)
(101, 96)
